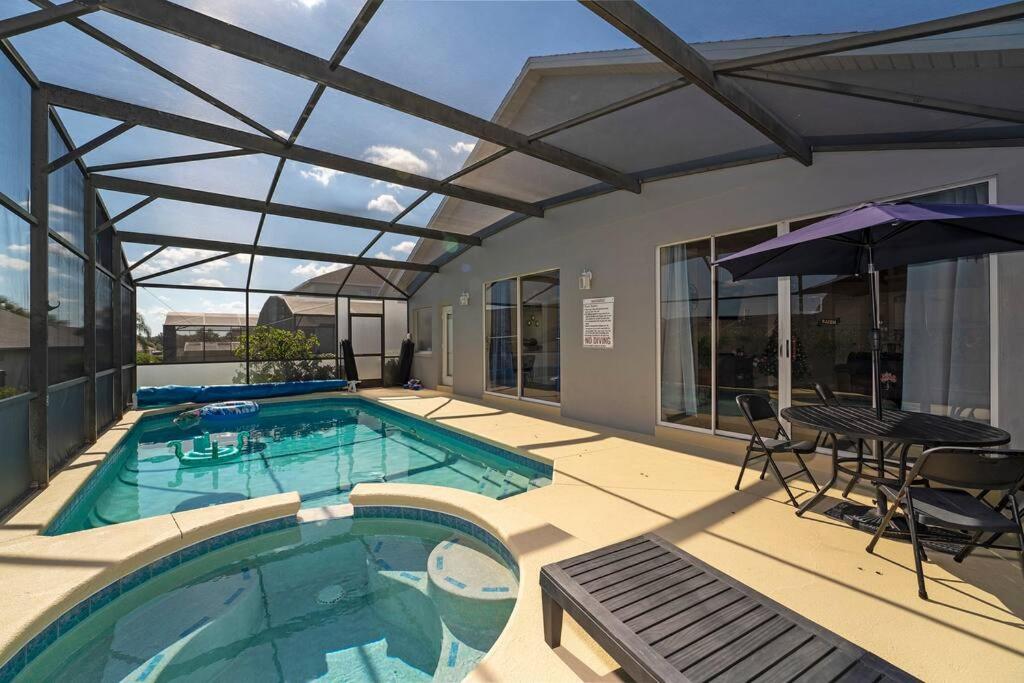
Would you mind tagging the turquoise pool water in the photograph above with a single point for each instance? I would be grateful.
(319, 448)
(342, 600)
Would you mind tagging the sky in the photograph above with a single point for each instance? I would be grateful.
(464, 53)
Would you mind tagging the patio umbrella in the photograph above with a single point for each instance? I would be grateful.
(879, 236)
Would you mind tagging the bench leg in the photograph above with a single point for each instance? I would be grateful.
(552, 621)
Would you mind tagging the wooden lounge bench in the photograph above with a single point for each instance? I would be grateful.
(664, 615)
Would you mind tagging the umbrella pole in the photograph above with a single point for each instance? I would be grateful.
(876, 340)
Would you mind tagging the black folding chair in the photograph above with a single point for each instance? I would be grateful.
(757, 409)
(954, 508)
(828, 398)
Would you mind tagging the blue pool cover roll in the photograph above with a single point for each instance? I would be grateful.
(173, 393)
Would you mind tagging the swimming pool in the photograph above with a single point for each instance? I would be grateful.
(357, 599)
(320, 448)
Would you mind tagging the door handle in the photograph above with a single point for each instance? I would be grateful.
(787, 348)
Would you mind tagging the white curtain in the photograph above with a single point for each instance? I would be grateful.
(678, 374)
(946, 328)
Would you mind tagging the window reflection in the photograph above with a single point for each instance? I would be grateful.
(14, 304)
(686, 333)
(541, 337)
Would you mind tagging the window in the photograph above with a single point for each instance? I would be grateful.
(686, 315)
(66, 315)
(14, 304)
(522, 337)
(423, 330)
(104, 322)
(15, 106)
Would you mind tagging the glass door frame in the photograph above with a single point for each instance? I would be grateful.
(369, 383)
(519, 334)
(785, 380)
(447, 318)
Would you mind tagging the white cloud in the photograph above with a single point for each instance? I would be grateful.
(432, 153)
(321, 175)
(244, 258)
(207, 282)
(309, 270)
(308, 4)
(13, 263)
(384, 255)
(462, 147)
(18, 248)
(396, 157)
(283, 133)
(180, 256)
(405, 247)
(233, 306)
(391, 186)
(385, 203)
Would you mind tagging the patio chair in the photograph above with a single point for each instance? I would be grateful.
(1013, 499)
(954, 508)
(828, 398)
(757, 409)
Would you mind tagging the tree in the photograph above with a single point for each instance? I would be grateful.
(277, 355)
(143, 333)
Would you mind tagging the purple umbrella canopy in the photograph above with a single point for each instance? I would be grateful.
(889, 235)
(879, 236)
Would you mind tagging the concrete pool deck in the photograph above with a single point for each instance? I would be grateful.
(608, 485)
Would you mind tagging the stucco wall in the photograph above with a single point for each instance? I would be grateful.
(615, 236)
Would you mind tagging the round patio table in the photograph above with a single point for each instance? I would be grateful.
(897, 427)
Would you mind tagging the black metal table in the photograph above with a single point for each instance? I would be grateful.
(899, 428)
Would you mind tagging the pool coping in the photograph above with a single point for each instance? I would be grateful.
(46, 577)
(525, 543)
(36, 514)
(530, 541)
(78, 564)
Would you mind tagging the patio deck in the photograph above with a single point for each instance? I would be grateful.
(608, 486)
(611, 485)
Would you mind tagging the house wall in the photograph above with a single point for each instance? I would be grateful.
(616, 237)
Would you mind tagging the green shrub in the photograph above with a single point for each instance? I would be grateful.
(277, 355)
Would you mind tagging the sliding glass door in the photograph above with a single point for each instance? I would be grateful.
(522, 337)
(719, 338)
(747, 340)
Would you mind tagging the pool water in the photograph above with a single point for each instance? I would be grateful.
(319, 448)
(340, 600)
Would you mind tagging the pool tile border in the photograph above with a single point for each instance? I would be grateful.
(463, 526)
(101, 598)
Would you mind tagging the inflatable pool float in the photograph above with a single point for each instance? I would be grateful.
(218, 412)
(208, 451)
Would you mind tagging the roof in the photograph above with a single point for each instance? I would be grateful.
(183, 319)
(244, 160)
(684, 131)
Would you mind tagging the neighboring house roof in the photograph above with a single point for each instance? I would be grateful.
(183, 319)
(306, 305)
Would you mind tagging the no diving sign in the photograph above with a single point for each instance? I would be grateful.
(598, 322)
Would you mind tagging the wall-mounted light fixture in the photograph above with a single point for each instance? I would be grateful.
(585, 278)
(464, 299)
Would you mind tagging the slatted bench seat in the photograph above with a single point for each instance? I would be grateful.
(664, 615)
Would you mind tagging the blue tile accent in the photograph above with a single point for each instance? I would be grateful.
(453, 653)
(83, 609)
(439, 562)
(199, 624)
(231, 598)
(153, 663)
(73, 616)
(411, 576)
(455, 582)
(443, 519)
(495, 589)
